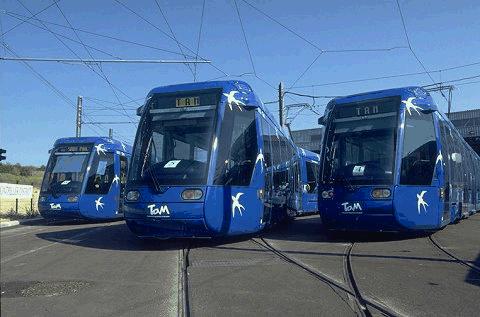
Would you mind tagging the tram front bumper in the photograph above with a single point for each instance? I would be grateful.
(177, 220)
(59, 210)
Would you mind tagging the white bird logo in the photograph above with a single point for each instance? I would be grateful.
(116, 179)
(421, 201)
(303, 152)
(100, 148)
(236, 204)
(408, 103)
(98, 203)
(123, 147)
(260, 157)
(232, 100)
(439, 158)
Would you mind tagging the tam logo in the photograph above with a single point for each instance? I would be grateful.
(55, 206)
(347, 207)
(162, 211)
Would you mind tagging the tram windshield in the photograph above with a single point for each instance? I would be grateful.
(361, 142)
(174, 140)
(66, 170)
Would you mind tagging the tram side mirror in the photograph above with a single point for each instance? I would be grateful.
(321, 120)
(457, 157)
(140, 110)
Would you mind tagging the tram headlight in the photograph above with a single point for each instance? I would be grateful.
(379, 193)
(327, 194)
(42, 199)
(72, 199)
(133, 195)
(192, 194)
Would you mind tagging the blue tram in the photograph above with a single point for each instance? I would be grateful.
(208, 160)
(392, 161)
(309, 163)
(85, 179)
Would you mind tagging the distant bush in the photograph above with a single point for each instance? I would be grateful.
(19, 170)
(16, 173)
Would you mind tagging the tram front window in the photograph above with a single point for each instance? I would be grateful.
(173, 152)
(65, 172)
(361, 151)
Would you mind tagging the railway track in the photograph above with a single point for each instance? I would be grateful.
(183, 298)
(362, 303)
(450, 254)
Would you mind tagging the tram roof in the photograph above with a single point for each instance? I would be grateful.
(419, 93)
(219, 84)
(113, 143)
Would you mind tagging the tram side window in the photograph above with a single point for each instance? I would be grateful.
(123, 173)
(446, 157)
(267, 153)
(101, 174)
(312, 176)
(237, 148)
(419, 150)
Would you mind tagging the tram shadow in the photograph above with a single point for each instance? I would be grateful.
(311, 229)
(473, 276)
(41, 222)
(108, 236)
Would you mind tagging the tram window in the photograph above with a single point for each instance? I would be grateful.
(419, 150)
(312, 176)
(267, 152)
(101, 174)
(237, 148)
(276, 147)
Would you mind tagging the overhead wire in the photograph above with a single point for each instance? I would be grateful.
(384, 77)
(91, 56)
(173, 36)
(60, 35)
(32, 16)
(167, 35)
(16, 15)
(198, 41)
(245, 37)
(411, 48)
(49, 84)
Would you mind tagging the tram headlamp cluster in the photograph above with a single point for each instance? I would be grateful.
(379, 193)
(192, 194)
(327, 194)
(72, 199)
(133, 195)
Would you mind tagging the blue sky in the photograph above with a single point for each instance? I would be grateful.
(443, 34)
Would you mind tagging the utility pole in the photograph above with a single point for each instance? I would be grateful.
(450, 88)
(281, 105)
(110, 133)
(78, 131)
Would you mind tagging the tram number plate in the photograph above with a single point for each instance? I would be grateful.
(187, 102)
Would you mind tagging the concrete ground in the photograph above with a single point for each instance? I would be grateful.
(61, 268)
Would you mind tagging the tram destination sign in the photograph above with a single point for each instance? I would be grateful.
(367, 108)
(65, 148)
(209, 97)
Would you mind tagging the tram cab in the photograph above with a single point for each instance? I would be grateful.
(85, 178)
(392, 161)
